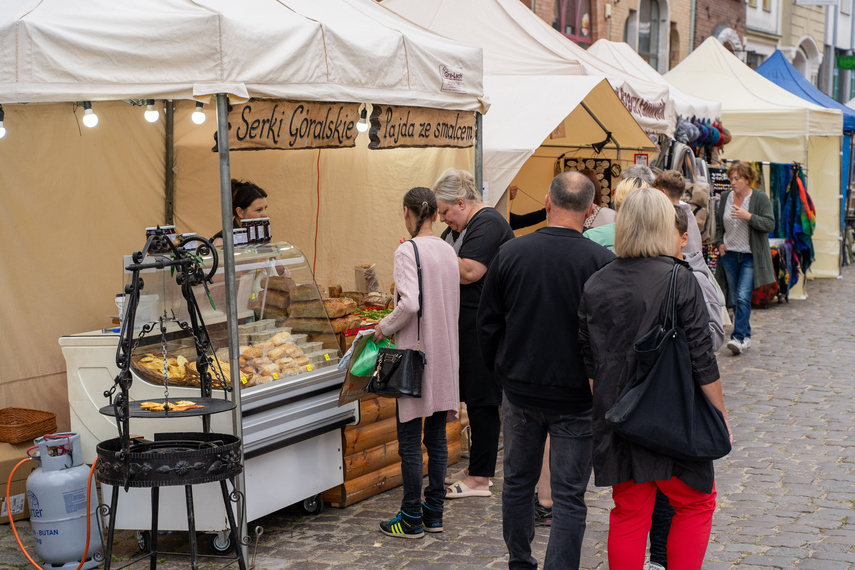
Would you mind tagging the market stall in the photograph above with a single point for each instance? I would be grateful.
(782, 73)
(96, 189)
(771, 124)
(549, 101)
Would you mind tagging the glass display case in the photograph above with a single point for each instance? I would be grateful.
(285, 328)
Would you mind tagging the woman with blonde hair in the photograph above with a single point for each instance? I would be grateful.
(637, 282)
(476, 231)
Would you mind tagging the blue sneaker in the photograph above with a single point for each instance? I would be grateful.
(403, 526)
(431, 519)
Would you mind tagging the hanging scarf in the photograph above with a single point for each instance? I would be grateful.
(799, 219)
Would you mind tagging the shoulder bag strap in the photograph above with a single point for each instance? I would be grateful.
(671, 301)
(419, 316)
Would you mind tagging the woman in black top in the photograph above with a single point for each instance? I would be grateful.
(622, 302)
(476, 231)
(248, 201)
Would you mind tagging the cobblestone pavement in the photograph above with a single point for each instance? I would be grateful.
(785, 492)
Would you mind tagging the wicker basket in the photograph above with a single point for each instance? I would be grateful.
(21, 424)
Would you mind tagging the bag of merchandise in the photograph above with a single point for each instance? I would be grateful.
(366, 361)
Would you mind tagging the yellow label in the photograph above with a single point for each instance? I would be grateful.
(308, 368)
(243, 380)
(252, 296)
(275, 376)
(326, 357)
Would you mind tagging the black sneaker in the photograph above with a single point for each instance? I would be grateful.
(403, 526)
(431, 519)
(542, 515)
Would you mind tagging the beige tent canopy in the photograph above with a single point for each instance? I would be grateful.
(547, 99)
(771, 124)
(77, 199)
(622, 56)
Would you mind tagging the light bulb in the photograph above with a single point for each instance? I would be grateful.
(362, 125)
(2, 130)
(151, 114)
(198, 115)
(90, 119)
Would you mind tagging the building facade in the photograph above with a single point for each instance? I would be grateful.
(723, 20)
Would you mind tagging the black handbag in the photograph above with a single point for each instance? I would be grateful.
(661, 407)
(399, 372)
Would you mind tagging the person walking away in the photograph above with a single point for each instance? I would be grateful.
(636, 281)
(673, 185)
(475, 231)
(744, 219)
(435, 333)
(534, 283)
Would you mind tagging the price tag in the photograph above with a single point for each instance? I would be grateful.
(275, 376)
(243, 379)
(326, 357)
(252, 296)
(308, 368)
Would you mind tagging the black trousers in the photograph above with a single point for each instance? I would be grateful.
(663, 512)
(485, 425)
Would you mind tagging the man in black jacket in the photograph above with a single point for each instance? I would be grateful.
(528, 330)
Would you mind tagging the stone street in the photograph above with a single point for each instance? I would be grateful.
(785, 492)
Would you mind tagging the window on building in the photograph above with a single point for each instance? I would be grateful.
(767, 5)
(674, 56)
(846, 6)
(752, 3)
(630, 28)
(574, 19)
(648, 31)
(753, 59)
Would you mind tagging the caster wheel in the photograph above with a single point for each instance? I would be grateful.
(144, 540)
(221, 542)
(313, 505)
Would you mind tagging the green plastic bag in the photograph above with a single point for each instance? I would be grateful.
(366, 361)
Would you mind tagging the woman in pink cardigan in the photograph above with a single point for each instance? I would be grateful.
(439, 403)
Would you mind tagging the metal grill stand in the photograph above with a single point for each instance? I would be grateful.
(172, 459)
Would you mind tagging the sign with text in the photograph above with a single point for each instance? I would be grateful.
(397, 127)
(262, 124)
(846, 62)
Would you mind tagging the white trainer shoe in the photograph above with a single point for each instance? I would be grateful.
(746, 343)
(734, 346)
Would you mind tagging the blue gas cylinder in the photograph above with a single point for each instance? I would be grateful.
(56, 492)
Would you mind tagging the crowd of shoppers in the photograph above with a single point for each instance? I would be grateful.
(543, 328)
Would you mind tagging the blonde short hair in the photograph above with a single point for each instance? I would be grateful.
(626, 186)
(455, 184)
(644, 226)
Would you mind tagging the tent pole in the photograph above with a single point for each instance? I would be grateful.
(479, 153)
(169, 112)
(231, 299)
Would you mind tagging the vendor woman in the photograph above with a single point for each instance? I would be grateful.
(248, 202)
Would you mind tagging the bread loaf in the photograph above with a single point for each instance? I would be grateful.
(335, 291)
(273, 298)
(278, 283)
(309, 309)
(306, 292)
(358, 297)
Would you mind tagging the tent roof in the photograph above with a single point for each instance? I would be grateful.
(782, 73)
(518, 43)
(336, 50)
(622, 56)
(751, 105)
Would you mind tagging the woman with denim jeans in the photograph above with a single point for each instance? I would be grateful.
(743, 221)
(435, 334)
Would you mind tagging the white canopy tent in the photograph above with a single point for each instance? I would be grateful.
(547, 95)
(771, 124)
(622, 56)
(82, 197)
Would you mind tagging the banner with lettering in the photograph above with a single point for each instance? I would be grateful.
(397, 127)
(262, 124)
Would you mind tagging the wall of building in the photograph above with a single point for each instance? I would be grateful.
(714, 17)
